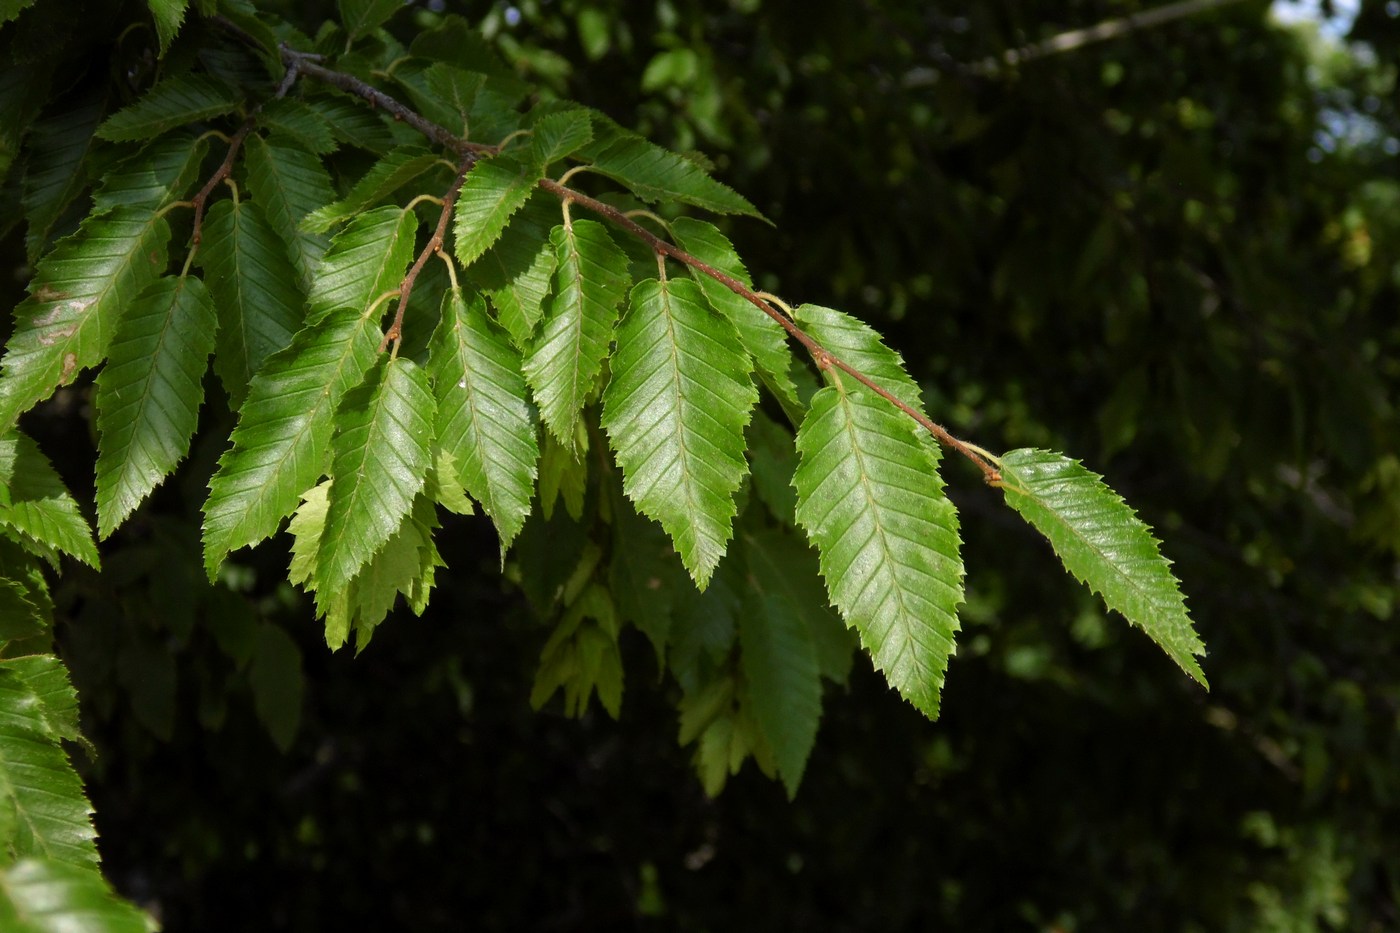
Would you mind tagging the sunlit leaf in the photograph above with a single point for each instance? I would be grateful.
(494, 190)
(365, 260)
(43, 895)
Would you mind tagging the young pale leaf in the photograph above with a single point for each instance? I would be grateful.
(869, 496)
(156, 176)
(675, 410)
(254, 288)
(386, 176)
(281, 445)
(58, 147)
(785, 688)
(149, 394)
(37, 782)
(176, 101)
(406, 566)
(560, 134)
(590, 281)
(362, 17)
(79, 291)
(382, 455)
(516, 271)
(494, 190)
(654, 174)
(365, 260)
(763, 337)
(484, 419)
(44, 895)
(40, 506)
(168, 15)
(289, 183)
(1105, 545)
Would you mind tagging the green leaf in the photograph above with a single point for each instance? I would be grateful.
(12, 8)
(443, 93)
(40, 506)
(276, 680)
(654, 174)
(675, 410)
(484, 418)
(869, 496)
(75, 299)
(515, 272)
(1105, 545)
(590, 280)
(176, 101)
(763, 337)
(406, 566)
(168, 15)
(365, 260)
(785, 689)
(37, 782)
(49, 896)
(781, 565)
(494, 190)
(282, 443)
(254, 288)
(149, 394)
(354, 125)
(58, 150)
(158, 175)
(857, 343)
(48, 679)
(560, 134)
(298, 121)
(563, 473)
(386, 176)
(19, 617)
(28, 606)
(362, 17)
(306, 528)
(382, 455)
(289, 183)
(582, 657)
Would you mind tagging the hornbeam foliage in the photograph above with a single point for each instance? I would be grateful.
(420, 288)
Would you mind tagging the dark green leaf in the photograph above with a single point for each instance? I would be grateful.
(59, 147)
(276, 680)
(654, 174)
(176, 101)
(361, 17)
(40, 506)
(168, 14)
(515, 272)
(299, 121)
(289, 183)
(785, 690)
(560, 134)
(158, 175)
(385, 177)
(365, 260)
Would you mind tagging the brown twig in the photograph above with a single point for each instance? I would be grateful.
(434, 245)
(220, 173)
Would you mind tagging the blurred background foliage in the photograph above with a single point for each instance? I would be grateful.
(1174, 254)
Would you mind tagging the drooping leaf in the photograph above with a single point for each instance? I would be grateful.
(306, 528)
(484, 418)
(406, 566)
(590, 281)
(254, 288)
(494, 190)
(276, 680)
(779, 564)
(675, 410)
(282, 443)
(560, 134)
(158, 175)
(763, 337)
(869, 496)
(40, 507)
(176, 101)
(19, 617)
(654, 174)
(361, 17)
(382, 454)
(53, 817)
(1104, 544)
(149, 394)
(78, 292)
(289, 183)
(59, 146)
(365, 260)
(785, 689)
(44, 895)
(168, 14)
(29, 607)
(582, 657)
(515, 272)
(385, 177)
(563, 475)
(23, 94)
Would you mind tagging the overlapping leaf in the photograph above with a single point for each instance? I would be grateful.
(484, 420)
(254, 287)
(781, 565)
(382, 454)
(78, 292)
(494, 190)
(289, 183)
(361, 17)
(158, 175)
(1105, 545)
(857, 343)
(40, 895)
(656, 174)
(869, 497)
(560, 134)
(148, 395)
(590, 281)
(675, 410)
(364, 261)
(59, 146)
(515, 272)
(168, 14)
(176, 101)
(785, 690)
(386, 176)
(282, 443)
(40, 507)
(297, 120)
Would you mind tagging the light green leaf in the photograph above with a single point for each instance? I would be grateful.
(563, 474)
(1105, 545)
(42, 895)
(176, 101)
(386, 176)
(382, 455)
(484, 418)
(515, 272)
(365, 260)
(254, 288)
(582, 657)
(869, 496)
(282, 443)
(40, 506)
(306, 528)
(590, 280)
(52, 817)
(75, 299)
(675, 410)
(654, 174)
(362, 17)
(149, 394)
(276, 680)
(857, 343)
(168, 15)
(58, 150)
(48, 679)
(785, 688)
(289, 183)
(763, 337)
(158, 175)
(494, 190)
(560, 134)
(406, 566)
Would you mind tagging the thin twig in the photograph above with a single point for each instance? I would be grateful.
(220, 173)
(434, 245)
